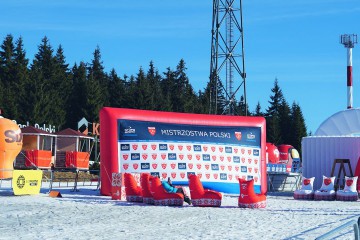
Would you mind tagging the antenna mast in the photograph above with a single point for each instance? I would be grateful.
(227, 67)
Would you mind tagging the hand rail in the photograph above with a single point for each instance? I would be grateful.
(354, 223)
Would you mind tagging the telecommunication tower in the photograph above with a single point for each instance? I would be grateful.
(227, 67)
(349, 41)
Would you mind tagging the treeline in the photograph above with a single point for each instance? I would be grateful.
(49, 90)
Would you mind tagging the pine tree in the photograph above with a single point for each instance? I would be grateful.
(96, 73)
(273, 128)
(41, 73)
(241, 108)
(21, 77)
(143, 94)
(154, 78)
(168, 88)
(298, 126)
(7, 66)
(116, 90)
(258, 111)
(285, 122)
(76, 104)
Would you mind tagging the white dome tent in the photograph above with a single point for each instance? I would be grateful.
(343, 123)
(338, 137)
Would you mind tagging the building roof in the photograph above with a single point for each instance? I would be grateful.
(68, 132)
(35, 131)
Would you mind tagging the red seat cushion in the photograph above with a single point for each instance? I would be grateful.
(201, 197)
(132, 190)
(161, 197)
(145, 186)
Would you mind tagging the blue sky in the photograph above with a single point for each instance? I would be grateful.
(295, 41)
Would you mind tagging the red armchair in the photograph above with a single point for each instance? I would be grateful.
(201, 197)
(145, 186)
(132, 190)
(248, 198)
(161, 197)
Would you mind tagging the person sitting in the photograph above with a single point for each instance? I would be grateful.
(167, 185)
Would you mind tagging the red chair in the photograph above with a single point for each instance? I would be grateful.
(145, 185)
(161, 197)
(248, 198)
(132, 190)
(201, 197)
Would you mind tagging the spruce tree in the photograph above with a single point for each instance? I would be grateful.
(154, 78)
(273, 128)
(7, 68)
(143, 93)
(258, 111)
(21, 77)
(116, 90)
(298, 126)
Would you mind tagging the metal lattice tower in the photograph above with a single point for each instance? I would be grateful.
(227, 68)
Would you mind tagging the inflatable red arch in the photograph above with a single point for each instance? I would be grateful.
(219, 149)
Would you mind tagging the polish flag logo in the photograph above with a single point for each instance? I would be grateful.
(243, 160)
(222, 158)
(237, 168)
(207, 166)
(205, 148)
(154, 156)
(222, 167)
(221, 149)
(135, 146)
(236, 150)
(249, 160)
(126, 166)
(242, 151)
(215, 175)
(198, 157)
(199, 175)
(256, 179)
(207, 175)
(198, 166)
(249, 151)
(180, 147)
(256, 161)
(256, 170)
(163, 156)
(188, 147)
(153, 146)
(229, 159)
(230, 177)
(152, 131)
(238, 135)
(189, 156)
(144, 146)
(154, 165)
(135, 166)
(250, 169)
(171, 147)
(190, 165)
(145, 156)
(182, 175)
(125, 156)
(181, 156)
(173, 165)
(164, 175)
(213, 149)
(173, 175)
(163, 165)
(213, 158)
(230, 168)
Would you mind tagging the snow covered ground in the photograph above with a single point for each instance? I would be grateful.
(87, 215)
